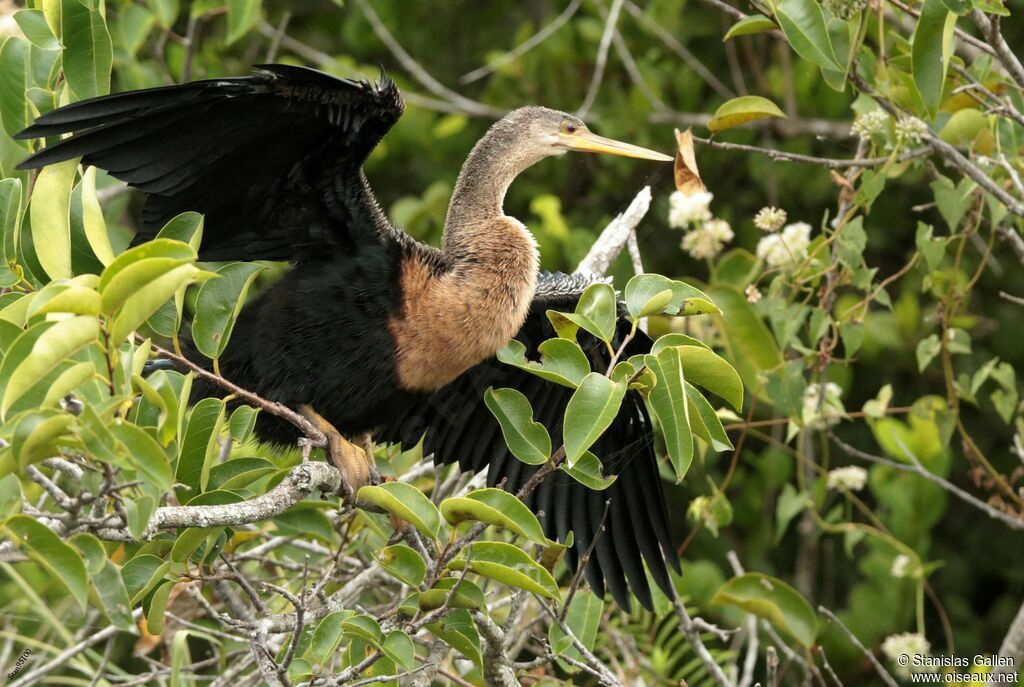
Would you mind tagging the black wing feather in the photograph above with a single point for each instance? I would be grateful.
(456, 426)
(264, 157)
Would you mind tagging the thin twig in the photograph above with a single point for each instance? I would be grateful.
(602, 58)
(879, 668)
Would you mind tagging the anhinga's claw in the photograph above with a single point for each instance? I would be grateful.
(356, 463)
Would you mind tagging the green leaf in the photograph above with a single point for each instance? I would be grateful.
(589, 413)
(33, 24)
(399, 648)
(406, 502)
(10, 205)
(242, 16)
(704, 421)
(139, 511)
(58, 558)
(588, 471)
(164, 11)
(134, 268)
(138, 308)
(707, 369)
(155, 606)
(930, 52)
(528, 441)
(51, 348)
(803, 24)
(37, 436)
(113, 596)
(596, 312)
(458, 630)
(327, 636)
(508, 565)
(669, 404)
(466, 595)
(146, 453)
(742, 110)
(142, 573)
(562, 361)
(218, 304)
(927, 349)
(755, 23)
(242, 422)
(88, 54)
(403, 562)
(199, 446)
(583, 618)
(51, 219)
(953, 201)
(92, 218)
(932, 249)
(773, 600)
(751, 346)
(645, 290)
(14, 106)
(362, 627)
(494, 507)
(64, 297)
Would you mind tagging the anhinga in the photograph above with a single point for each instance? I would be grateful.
(372, 331)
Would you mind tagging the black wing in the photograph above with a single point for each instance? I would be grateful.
(272, 160)
(456, 426)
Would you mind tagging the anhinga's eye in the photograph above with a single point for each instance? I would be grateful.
(568, 127)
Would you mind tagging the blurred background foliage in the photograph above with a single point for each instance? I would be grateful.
(677, 70)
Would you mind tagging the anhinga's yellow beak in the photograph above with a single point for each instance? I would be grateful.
(588, 142)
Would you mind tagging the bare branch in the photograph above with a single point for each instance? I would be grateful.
(615, 236)
(602, 58)
(887, 678)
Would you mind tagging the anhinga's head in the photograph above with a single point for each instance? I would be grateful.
(539, 132)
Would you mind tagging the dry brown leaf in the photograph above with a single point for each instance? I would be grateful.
(688, 180)
(839, 180)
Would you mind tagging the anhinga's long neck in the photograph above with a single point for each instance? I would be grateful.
(476, 210)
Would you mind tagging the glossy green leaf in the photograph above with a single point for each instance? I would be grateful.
(14, 106)
(92, 219)
(458, 630)
(399, 648)
(931, 49)
(88, 53)
(755, 23)
(327, 636)
(707, 369)
(406, 502)
(218, 304)
(584, 618)
(403, 562)
(773, 600)
(465, 595)
(588, 471)
(668, 402)
(64, 297)
(37, 436)
(33, 24)
(562, 360)
(643, 290)
(362, 627)
(494, 507)
(165, 12)
(134, 268)
(589, 412)
(142, 573)
(528, 441)
(705, 421)
(58, 558)
(51, 220)
(51, 348)
(10, 207)
(146, 453)
(155, 607)
(742, 110)
(596, 312)
(508, 565)
(113, 596)
(137, 309)
(199, 446)
(803, 23)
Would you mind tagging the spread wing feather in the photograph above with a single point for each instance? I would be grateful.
(264, 157)
(633, 539)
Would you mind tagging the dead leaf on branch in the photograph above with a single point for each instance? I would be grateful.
(688, 181)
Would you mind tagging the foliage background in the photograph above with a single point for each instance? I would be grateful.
(975, 573)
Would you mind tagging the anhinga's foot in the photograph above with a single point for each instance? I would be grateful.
(355, 462)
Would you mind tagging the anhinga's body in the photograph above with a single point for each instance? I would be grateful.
(371, 331)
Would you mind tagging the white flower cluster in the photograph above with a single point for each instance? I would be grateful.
(870, 123)
(818, 414)
(910, 130)
(705, 236)
(707, 239)
(752, 293)
(786, 248)
(907, 644)
(686, 210)
(850, 478)
(900, 566)
(770, 219)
